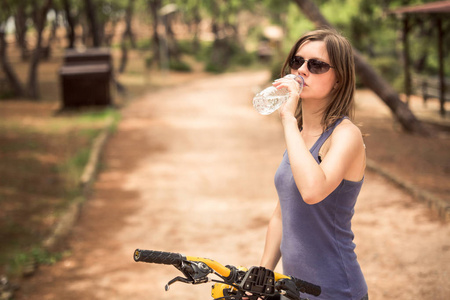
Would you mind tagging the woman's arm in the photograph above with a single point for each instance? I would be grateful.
(272, 253)
(345, 156)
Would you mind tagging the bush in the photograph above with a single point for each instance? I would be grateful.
(178, 65)
(275, 67)
(243, 58)
(213, 68)
(185, 47)
(388, 67)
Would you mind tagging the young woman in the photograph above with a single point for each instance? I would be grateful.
(321, 172)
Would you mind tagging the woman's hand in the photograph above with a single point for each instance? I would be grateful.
(289, 107)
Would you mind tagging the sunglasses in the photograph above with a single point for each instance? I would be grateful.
(314, 66)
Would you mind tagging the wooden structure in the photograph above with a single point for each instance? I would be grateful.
(86, 78)
(434, 11)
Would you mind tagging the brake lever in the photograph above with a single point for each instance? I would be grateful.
(288, 289)
(195, 273)
(178, 278)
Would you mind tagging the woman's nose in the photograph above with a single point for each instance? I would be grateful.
(303, 68)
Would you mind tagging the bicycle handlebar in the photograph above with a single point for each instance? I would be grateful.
(307, 287)
(176, 259)
(255, 280)
(158, 257)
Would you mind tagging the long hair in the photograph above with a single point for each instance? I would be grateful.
(340, 53)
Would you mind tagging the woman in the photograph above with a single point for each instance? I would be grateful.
(322, 170)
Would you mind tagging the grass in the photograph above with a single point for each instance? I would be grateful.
(43, 154)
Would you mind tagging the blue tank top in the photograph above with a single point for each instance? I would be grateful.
(317, 243)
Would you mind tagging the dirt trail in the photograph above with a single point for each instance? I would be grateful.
(190, 170)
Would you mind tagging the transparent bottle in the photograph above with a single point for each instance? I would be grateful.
(270, 99)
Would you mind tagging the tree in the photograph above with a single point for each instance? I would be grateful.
(39, 20)
(155, 6)
(71, 22)
(40, 10)
(20, 19)
(225, 28)
(370, 77)
(127, 34)
(91, 13)
(11, 76)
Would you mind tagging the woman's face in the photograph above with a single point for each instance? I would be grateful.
(317, 86)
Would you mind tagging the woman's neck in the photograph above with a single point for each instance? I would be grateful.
(312, 118)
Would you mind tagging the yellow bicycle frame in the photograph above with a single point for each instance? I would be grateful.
(218, 288)
(219, 268)
(224, 271)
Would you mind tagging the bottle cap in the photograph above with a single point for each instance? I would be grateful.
(297, 78)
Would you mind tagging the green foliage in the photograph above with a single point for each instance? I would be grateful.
(99, 115)
(296, 25)
(226, 54)
(73, 168)
(29, 259)
(213, 68)
(144, 44)
(388, 67)
(275, 67)
(365, 22)
(186, 47)
(204, 51)
(178, 65)
(243, 58)
(5, 93)
(149, 61)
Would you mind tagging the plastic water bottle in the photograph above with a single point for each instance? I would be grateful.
(270, 99)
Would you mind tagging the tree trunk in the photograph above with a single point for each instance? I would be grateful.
(221, 47)
(406, 57)
(123, 58)
(155, 6)
(172, 44)
(441, 66)
(128, 19)
(127, 33)
(40, 18)
(370, 77)
(197, 19)
(20, 20)
(93, 22)
(11, 76)
(70, 24)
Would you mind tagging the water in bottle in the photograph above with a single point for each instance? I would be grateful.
(271, 98)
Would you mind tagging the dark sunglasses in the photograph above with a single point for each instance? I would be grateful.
(314, 66)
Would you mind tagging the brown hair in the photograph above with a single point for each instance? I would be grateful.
(340, 53)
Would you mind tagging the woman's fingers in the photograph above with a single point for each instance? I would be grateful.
(290, 84)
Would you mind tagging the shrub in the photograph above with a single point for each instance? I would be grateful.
(178, 65)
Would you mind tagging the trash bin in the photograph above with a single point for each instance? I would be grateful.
(86, 78)
(88, 56)
(86, 85)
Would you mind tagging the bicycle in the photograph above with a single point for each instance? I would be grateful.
(236, 283)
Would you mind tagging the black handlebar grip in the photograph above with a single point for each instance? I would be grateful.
(158, 257)
(306, 287)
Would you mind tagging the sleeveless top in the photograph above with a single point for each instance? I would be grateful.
(317, 243)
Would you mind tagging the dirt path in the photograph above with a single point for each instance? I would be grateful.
(190, 170)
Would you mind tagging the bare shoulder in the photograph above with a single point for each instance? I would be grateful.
(347, 131)
(347, 140)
